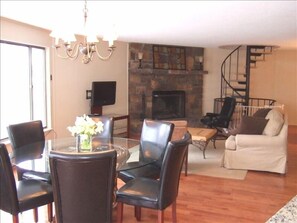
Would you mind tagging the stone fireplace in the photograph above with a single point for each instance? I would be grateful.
(168, 105)
(144, 81)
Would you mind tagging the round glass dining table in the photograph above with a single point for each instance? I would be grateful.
(36, 157)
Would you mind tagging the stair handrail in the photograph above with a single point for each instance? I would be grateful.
(223, 74)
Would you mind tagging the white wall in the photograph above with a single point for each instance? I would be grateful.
(276, 78)
(71, 79)
(213, 59)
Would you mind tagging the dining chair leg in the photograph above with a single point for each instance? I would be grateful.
(160, 216)
(15, 218)
(50, 212)
(120, 207)
(174, 220)
(35, 214)
(137, 211)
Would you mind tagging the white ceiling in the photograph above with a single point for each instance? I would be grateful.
(186, 23)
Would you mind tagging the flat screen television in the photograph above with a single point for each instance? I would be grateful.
(103, 93)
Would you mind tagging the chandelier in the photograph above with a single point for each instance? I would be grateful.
(73, 48)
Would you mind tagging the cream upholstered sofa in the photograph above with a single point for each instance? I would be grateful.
(261, 152)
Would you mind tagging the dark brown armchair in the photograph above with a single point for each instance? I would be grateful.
(23, 195)
(27, 141)
(222, 119)
(156, 194)
(83, 186)
(155, 136)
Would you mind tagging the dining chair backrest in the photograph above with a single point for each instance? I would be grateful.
(154, 138)
(108, 124)
(27, 142)
(83, 186)
(171, 169)
(24, 134)
(8, 193)
(23, 195)
(180, 129)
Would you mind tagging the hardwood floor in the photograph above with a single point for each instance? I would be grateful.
(214, 200)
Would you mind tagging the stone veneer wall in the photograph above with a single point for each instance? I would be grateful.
(142, 81)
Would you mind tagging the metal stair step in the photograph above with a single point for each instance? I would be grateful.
(257, 47)
(240, 89)
(256, 54)
(237, 82)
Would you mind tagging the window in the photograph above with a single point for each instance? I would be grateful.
(22, 85)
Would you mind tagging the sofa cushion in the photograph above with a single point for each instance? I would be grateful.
(250, 126)
(275, 123)
(262, 112)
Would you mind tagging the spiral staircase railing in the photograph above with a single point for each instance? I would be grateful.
(235, 77)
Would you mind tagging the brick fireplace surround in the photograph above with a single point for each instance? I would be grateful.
(143, 81)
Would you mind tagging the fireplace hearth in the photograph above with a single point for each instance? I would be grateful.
(168, 104)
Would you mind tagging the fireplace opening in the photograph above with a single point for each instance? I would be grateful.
(168, 104)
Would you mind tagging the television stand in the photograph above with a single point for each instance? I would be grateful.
(96, 110)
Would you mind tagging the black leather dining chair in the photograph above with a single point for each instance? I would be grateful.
(108, 124)
(23, 195)
(83, 186)
(152, 193)
(27, 142)
(180, 129)
(107, 134)
(153, 141)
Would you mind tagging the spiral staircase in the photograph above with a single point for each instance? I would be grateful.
(235, 80)
(236, 71)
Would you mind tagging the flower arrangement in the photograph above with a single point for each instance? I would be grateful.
(85, 127)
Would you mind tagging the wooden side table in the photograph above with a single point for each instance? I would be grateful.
(201, 137)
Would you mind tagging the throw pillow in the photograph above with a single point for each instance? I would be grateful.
(275, 123)
(262, 112)
(251, 126)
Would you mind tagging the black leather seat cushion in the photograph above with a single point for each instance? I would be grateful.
(32, 192)
(145, 192)
(150, 171)
(43, 176)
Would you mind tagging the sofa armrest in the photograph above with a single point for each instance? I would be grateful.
(248, 141)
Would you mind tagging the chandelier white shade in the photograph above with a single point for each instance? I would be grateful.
(68, 47)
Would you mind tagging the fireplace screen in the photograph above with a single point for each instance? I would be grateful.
(168, 104)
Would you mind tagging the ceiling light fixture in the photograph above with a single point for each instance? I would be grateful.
(72, 47)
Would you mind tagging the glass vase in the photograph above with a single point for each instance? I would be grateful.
(84, 142)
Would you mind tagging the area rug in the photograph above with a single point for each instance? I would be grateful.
(287, 214)
(211, 166)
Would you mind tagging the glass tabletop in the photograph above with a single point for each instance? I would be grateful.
(37, 155)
